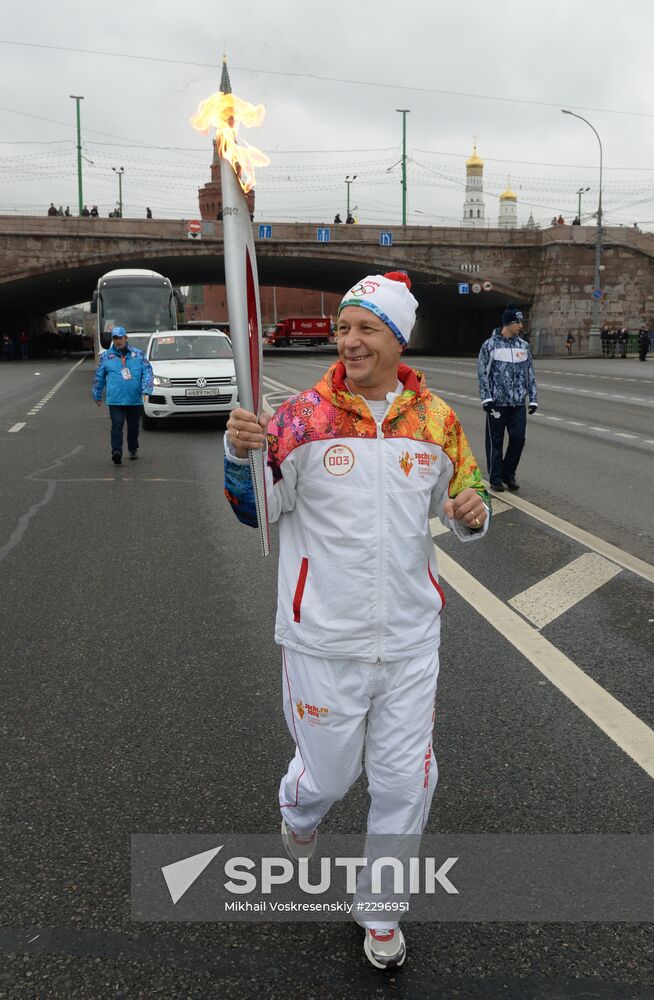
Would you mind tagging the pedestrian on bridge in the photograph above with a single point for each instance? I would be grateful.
(353, 465)
(128, 377)
(506, 381)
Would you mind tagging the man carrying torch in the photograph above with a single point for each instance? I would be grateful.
(353, 467)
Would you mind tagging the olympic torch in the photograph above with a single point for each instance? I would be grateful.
(237, 162)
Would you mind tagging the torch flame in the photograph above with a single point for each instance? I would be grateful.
(225, 112)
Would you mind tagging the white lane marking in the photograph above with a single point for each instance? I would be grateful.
(280, 386)
(35, 409)
(560, 591)
(612, 552)
(621, 434)
(16, 428)
(626, 730)
(546, 385)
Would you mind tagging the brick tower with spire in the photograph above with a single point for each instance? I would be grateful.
(210, 301)
(211, 195)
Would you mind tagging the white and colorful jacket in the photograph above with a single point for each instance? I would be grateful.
(357, 565)
(506, 372)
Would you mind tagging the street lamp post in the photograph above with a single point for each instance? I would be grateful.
(594, 346)
(77, 98)
(120, 171)
(349, 180)
(404, 112)
(579, 194)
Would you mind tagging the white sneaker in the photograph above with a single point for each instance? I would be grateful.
(385, 949)
(298, 847)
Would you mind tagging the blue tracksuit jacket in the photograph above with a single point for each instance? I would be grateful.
(122, 391)
(506, 371)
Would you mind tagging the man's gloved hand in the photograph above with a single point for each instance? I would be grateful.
(532, 409)
(488, 406)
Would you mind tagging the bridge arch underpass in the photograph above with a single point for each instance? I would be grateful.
(448, 322)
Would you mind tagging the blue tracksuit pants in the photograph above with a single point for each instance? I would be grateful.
(120, 414)
(502, 464)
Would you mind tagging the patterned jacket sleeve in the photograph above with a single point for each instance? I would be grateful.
(99, 380)
(531, 377)
(281, 483)
(483, 360)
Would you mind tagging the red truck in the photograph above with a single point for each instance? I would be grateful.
(300, 330)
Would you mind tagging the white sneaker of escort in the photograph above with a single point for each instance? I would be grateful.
(385, 948)
(298, 847)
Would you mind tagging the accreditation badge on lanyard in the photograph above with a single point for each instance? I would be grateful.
(126, 373)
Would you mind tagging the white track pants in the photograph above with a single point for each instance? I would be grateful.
(336, 709)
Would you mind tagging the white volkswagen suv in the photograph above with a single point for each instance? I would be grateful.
(194, 375)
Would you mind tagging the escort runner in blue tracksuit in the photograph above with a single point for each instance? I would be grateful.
(128, 376)
(506, 382)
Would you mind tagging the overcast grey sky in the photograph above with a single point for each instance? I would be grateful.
(331, 76)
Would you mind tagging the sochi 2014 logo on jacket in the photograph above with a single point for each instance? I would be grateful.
(339, 460)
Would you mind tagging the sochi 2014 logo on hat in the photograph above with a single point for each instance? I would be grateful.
(339, 460)
(365, 288)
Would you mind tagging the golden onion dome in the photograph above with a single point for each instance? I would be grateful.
(474, 160)
(508, 195)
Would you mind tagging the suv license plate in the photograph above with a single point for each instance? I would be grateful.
(209, 391)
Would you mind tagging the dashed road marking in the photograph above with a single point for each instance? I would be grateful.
(46, 399)
(557, 593)
(16, 428)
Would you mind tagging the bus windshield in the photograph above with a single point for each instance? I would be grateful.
(139, 340)
(145, 308)
(185, 347)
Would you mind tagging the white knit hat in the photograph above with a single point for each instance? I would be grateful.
(387, 296)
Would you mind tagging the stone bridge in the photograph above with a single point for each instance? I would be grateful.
(48, 263)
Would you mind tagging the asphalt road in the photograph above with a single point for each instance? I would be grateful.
(140, 691)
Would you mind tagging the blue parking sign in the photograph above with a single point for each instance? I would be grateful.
(464, 288)
(265, 232)
(323, 235)
(386, 239)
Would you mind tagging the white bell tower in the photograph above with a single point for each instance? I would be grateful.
(473, 206)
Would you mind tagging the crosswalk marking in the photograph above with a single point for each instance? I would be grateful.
(626, 730)
(560, 591)
(592, 542)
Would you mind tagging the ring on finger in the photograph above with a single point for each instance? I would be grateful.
(237, 433)
(476, 523)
